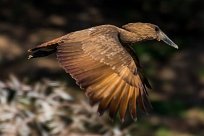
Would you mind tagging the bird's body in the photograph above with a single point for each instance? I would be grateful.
(102, 62)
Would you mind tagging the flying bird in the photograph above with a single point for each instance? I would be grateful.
(103, 63)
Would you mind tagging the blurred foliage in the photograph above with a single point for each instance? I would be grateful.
(174, 108)
(176, 75)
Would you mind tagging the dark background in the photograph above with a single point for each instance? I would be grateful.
(177, 76)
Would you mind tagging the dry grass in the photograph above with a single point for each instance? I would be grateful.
(47, 108)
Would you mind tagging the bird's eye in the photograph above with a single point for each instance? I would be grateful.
(156, 28)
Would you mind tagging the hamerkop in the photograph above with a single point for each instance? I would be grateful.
(102, 62)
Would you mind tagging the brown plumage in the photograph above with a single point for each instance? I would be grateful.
(103, 63)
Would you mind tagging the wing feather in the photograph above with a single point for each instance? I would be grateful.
(124, 103)
(115, 103)
(133, 106)
(111, 93)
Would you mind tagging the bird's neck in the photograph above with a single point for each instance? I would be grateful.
(130, 37)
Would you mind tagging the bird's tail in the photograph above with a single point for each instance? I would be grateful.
(42, 51)
(47, 48)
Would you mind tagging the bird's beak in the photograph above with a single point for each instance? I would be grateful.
(162, 36)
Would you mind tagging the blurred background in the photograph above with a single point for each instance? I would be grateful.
(38, 98)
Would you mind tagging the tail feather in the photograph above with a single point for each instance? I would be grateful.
(42, 51)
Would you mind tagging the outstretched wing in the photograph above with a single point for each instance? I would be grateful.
(104, 68)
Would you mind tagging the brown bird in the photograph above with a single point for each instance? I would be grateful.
(102, 62)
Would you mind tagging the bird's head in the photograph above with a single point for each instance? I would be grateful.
(147, 31)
